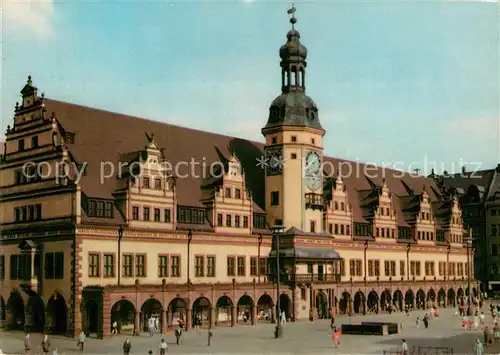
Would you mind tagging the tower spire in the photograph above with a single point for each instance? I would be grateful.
(293, 19)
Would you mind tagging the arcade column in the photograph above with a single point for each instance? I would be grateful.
(189, 322)
(234, 317)
(164, 321)
(137, 322)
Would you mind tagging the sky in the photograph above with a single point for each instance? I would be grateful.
(408, 84)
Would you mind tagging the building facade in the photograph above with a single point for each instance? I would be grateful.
(479, 196)
(107, 217)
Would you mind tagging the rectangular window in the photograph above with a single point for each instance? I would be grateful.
(166, 215)
(336, 229)
(163, 266)
(199, 266)
(253, 266)
(275, 198)
(245, 221)
(237, 221)
(108, 210)
(228, 220)
(127, 265)
(158, 184)
(157, 215)
(402, 270)
(100, 209)
(241, 266)
(140, 265)
(387, 268)
(93, 265)
(237, 193)
(313, 226)
(175, 266)
(145, 212)
(227, 192)
(417, 268)
(49, 266)
(2, 267)
(231, 266)
(210, 266)
(135, 213)
(109, 265)
(20, 145)
(34, 142)
(14, 267)
(219, 219)
(263, 266)
(145, 182)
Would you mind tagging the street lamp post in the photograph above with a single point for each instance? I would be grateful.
(258, 257)
(277, 231)
(468, 242)
(190, 237)
(120, 236)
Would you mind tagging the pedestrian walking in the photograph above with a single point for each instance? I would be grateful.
(46, 344)
(81, 341)
(479, 348)
(127, 347)
(27, 342)
(336, 337)
(178, 334)
(426, 321)
(114, 328)
(404, 347)
(418, 322)
(163, 347)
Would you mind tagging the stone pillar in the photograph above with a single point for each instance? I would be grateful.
(170, 318)
(365, 305)
(188, 319)
(164, 329)
(254, 315)
(414, 302)
(137, 326)
(273, 311)
(234, 317)
(213, 316)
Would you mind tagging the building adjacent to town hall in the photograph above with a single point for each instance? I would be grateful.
(107, 217)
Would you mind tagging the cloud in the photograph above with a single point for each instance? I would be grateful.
(29, 17)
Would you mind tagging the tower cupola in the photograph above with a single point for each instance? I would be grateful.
(293, 107)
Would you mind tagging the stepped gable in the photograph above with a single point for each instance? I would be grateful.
(104, 136)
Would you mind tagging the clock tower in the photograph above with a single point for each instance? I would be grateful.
(294, 146)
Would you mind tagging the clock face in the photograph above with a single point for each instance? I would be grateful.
(313, 163)
(274, 162)
(313, 177)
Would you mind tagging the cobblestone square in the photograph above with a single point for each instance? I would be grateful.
(298, 338)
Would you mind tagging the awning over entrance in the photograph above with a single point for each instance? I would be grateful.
(307, 253)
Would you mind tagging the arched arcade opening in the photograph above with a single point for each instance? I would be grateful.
(398, 300)
(286, 305)
(265, 308)
(441, 297)
(123, 313)
(409, 298)
(385, 300)
(343, 303)
(15, 307)
(245, 310)
(36, 314)
(321, 305)
(420, 299)
(452, 298)
(176, 311)
(224, 312)
(151, 315)
(57, 314)
(359, 302)
(372, 302)
(202, 310)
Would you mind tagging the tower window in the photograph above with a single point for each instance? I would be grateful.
(34, 142)
(275, 198)
(294, 139)
(20, 145)
(274, 140)
(313, 141)
(313, 226)
(293, 156)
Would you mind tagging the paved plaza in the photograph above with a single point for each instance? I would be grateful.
(299, 338)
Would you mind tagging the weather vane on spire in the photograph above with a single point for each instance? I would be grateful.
(291, 11)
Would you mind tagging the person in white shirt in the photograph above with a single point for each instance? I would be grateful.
(404, 347)
(163, 347)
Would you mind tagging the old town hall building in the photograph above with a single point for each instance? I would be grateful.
(105, 218)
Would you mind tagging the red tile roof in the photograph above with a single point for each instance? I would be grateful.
(103, 136)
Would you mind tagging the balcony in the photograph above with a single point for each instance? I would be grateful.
(306, 278)
(314, 201)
